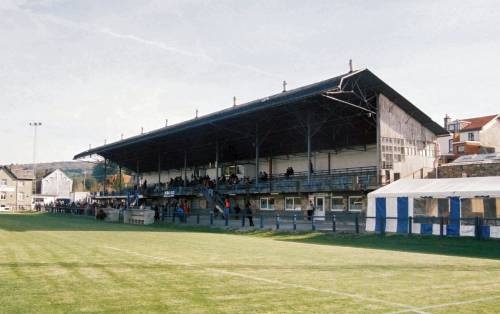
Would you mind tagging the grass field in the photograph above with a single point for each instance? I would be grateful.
(58, 264)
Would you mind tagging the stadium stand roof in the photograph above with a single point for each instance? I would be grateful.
(279, 123)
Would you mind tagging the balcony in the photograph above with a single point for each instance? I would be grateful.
(341, 180)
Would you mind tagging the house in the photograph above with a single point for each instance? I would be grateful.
(327, 143)
(480, 135)
(57, 184)
(15, 188)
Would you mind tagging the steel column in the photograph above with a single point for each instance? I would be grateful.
(159, 168)
(309, 147)
(105, 174)
(257, 146)
(185, 166)
(216, 163)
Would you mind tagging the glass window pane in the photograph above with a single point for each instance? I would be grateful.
(472, 207)
(338, 203)
(420, 207)
(289, 203)
(297, 203)
(356, 203)
(490, 207)
(263, 203)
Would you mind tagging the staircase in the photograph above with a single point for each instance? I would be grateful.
(213, 198)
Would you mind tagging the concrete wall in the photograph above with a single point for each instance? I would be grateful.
(490, 135)
(397, 125)
(471, 170)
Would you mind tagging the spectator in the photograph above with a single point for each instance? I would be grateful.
(157, 213)
(249, 213)
(227, 208)
(237, 210)
(310, 210)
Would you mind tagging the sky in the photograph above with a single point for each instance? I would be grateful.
(92, 70)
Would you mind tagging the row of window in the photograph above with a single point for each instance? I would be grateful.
(338, 203)
(487, 207)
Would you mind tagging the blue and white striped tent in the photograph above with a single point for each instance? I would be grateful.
(459, 200)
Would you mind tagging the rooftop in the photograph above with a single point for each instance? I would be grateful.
(477, 123)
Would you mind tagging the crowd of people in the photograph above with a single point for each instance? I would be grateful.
(206, 181)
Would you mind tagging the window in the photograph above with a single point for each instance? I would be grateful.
(397, 176)
(431, 207)
(480, 207)
(20, 196)
(267, 203)
(3, 195)
(356, 203)
(491, 207)
(293, 203)
(422, 207)
(471, 207)
(461, 148)
(3, 182)
(470, 136)
(339, 203)
(450, 146)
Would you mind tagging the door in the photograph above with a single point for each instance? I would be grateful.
(319, 205)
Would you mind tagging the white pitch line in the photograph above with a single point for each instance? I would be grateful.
(436, 306)
(408, 308)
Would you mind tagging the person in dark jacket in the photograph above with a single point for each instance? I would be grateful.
(249, 213)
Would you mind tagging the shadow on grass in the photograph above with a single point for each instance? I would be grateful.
(23, 222)
(459, 246)
(451, 246)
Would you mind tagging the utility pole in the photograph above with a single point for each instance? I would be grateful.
(35, 126)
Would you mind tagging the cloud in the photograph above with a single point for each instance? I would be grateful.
(172, 49)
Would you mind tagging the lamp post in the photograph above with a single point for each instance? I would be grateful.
(35, 126)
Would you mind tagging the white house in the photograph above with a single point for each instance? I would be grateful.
(56, 183)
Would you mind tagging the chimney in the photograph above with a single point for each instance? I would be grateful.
(350, 65)
(447, 121)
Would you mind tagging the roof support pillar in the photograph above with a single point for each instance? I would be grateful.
(379, 156)
(185, 168)
(120, 178)
(105, 175)
(138, 180)
(257, 146)
(329, 162)
(216, 163)
(159, 168)
(309, 164)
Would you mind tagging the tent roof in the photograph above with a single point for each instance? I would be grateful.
(464, 187)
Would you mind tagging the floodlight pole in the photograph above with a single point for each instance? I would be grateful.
(35, 126)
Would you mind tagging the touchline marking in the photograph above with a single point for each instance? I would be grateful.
(436, 306)
(408, 308)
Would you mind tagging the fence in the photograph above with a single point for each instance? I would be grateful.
(356, 223)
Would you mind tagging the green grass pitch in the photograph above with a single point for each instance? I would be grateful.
(61, 264)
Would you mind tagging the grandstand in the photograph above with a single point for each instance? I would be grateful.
(327, 143)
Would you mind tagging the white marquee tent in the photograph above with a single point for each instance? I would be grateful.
(416, 201)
